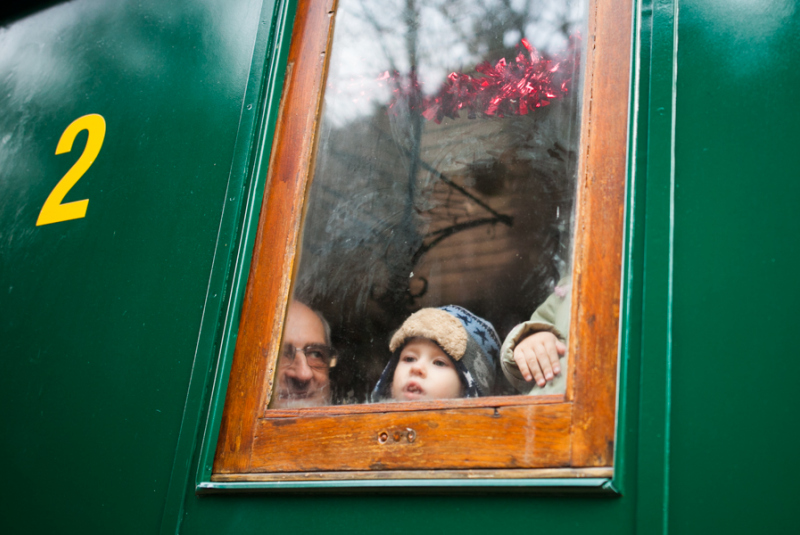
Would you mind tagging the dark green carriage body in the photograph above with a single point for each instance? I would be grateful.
(111, 325)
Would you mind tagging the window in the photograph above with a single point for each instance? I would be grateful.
(468, 157)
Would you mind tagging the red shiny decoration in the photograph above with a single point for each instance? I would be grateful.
(514, 88)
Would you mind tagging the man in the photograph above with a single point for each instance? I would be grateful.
(305, 360)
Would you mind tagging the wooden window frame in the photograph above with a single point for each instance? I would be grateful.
(569, 435)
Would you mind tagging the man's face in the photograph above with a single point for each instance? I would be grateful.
(302, 377)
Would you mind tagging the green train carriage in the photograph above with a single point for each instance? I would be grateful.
(120, 316)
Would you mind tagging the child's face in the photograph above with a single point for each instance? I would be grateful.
(424, 371)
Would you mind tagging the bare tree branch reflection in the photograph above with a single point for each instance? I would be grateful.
(404, 213)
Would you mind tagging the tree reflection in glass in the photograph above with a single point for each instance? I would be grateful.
(445, 170)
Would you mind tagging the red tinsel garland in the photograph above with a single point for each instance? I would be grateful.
(516, 88)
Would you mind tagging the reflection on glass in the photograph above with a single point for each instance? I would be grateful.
(445, 175)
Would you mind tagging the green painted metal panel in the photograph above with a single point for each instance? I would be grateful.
(655, 357)
(735, 432)
(394, 514)
(112, 348)
(158, 272)
(99, 316)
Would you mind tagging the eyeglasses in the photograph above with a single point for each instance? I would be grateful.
(318, 356)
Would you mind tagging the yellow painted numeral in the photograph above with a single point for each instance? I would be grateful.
(52, 210)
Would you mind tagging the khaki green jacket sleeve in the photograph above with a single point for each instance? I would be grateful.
(552, 315)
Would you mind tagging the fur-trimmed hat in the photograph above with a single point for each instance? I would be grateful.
(470, 341)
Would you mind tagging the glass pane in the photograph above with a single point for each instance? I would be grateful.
(445, 175)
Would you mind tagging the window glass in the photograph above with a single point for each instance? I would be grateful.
(445, 174)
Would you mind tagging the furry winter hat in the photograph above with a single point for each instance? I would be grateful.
(470, 341)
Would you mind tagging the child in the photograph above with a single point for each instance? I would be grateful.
(438, 353)
(536, 350)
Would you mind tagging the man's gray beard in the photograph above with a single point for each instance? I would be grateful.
(291, 402)
(302, 403)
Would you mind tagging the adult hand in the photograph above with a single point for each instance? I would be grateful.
(537, 357)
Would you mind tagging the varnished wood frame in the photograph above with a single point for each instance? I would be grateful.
(510, 437)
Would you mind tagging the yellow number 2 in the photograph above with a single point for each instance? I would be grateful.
(53, 211)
